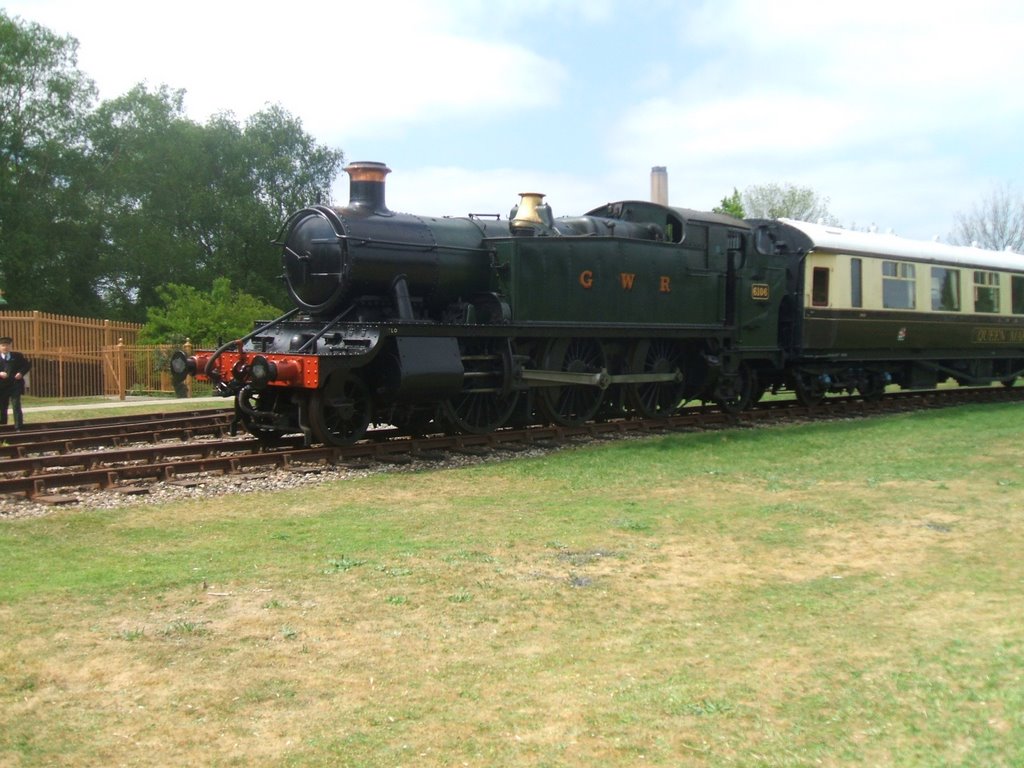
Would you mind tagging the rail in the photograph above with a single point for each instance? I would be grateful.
(47, 464)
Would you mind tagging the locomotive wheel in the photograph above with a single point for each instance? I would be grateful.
(267, 436)
(745, 392)
(339, 412)
(486, 404)
(572, 404)
(477, 413)
(656, 399)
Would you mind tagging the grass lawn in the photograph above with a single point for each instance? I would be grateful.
(49, 409)
(824, 594)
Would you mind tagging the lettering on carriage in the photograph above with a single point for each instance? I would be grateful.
(999, 335)
(587, 279)
(666, 284)
(627, 279)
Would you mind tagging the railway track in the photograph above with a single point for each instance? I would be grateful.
(50, 463)
(67, 436)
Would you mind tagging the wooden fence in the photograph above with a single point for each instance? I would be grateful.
(145, 370)
(81, 357)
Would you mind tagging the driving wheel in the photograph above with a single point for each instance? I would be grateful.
(572, 404)
(657, 398)
(485, 403)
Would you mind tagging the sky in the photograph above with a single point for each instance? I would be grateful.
(901, 113)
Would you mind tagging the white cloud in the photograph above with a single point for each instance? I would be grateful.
(889, 110)
(901, 113)
(347, 69)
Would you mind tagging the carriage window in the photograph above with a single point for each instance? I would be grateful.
(898, 285)
(819, 287)
(945, 290)
(986, 291)
(1017, 294)
(856, 284)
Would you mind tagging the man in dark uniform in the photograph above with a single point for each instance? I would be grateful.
(13, 367)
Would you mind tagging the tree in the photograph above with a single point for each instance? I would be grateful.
(148, 185)
(777, 201)
(186, 203)
(99, 207)
(205, 318)
(289, 170)
(48, 253)
(731, 205)
(997, 222)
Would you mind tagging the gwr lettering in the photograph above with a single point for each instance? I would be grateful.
(626, 280)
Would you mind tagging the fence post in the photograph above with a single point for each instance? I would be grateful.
(187, 349)
(122, 372)
(37, 332)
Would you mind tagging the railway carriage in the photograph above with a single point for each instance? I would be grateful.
(868, 309)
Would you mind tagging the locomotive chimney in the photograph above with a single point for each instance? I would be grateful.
(366, 186)
(659, 185)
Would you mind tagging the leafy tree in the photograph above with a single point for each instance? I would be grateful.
(731, 205)
(205, 318)
(288, 169)
(101, 206)
(186, 203)
(997, 222)
(776, 201)
(48, 251)
(284, 169)
(143, 149)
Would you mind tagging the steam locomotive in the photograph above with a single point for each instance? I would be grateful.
(634, 308)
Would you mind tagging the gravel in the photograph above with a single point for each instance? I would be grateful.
(186, 487)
